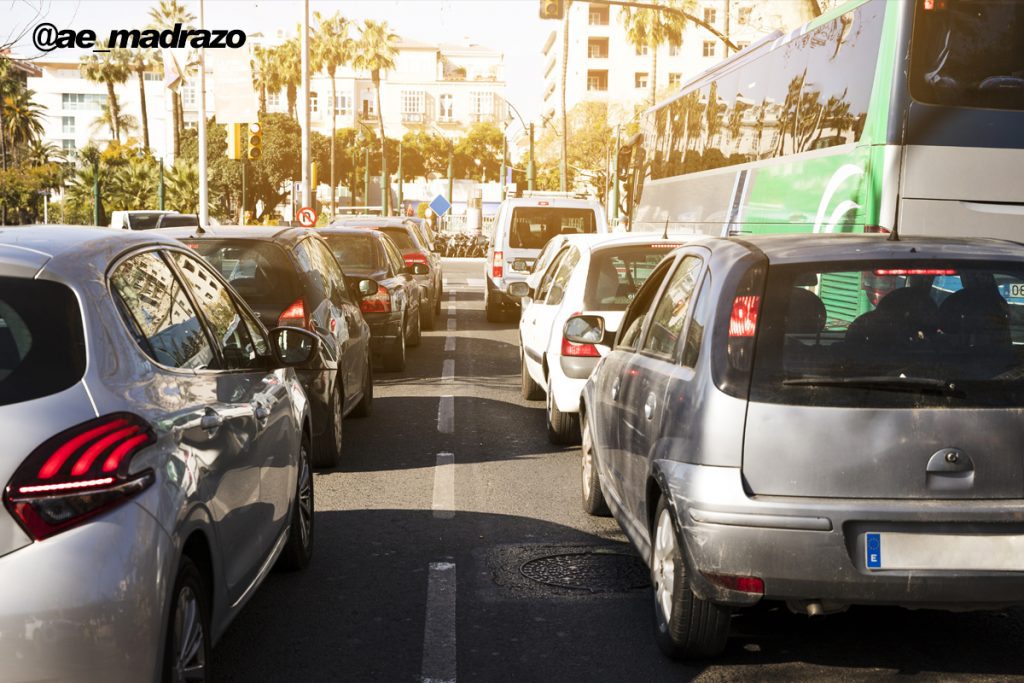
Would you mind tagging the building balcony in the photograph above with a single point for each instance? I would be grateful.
(481, 118)
(368, 116)
(413, 117)
(449, 121)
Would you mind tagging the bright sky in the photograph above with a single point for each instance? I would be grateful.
(511, 26)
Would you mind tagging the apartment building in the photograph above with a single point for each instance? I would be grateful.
(603, 65)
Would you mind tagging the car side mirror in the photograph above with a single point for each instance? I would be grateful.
(584, 329)
(519, 290)
(367, 287)
(418, 269)
(293, 345)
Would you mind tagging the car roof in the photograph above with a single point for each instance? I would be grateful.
(554, 202)
(353, 232)
(598, 241)
(371, 221)
(274, 233)
(797, 248)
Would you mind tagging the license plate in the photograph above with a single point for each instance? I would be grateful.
(947, 552)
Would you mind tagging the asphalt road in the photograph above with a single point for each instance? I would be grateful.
(450, 543)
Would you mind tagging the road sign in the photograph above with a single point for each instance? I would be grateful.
(440, 205)
(306, 217)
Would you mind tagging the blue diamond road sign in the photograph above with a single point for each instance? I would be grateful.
(440, 205)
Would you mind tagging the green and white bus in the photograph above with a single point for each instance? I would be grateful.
(878, 114)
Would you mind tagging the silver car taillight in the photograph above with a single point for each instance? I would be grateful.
(78, 474)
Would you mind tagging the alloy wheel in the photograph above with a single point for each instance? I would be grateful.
(305, 498)
(663, 567)
(588, 462)
(189, 639)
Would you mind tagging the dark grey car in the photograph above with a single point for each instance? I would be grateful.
(824, 420)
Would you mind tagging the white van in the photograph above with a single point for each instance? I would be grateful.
(522, 226)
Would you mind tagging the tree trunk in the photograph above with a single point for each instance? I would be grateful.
(292, 95)
(385, 199)
(564, 162)
(334, 125)
(263, 100)
(175, 108)
(112, 109)
(145, 115)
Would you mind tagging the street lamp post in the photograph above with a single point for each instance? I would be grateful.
(400, 197)
(531, 171)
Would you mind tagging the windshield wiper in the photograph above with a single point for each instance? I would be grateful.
(883, 383)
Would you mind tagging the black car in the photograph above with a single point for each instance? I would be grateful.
(394, 310)
(289, 277)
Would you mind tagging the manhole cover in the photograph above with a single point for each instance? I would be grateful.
(594, 571)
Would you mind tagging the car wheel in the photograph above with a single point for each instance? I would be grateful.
(427, 315)
(187, 650)
(563, 428)
(327, 449)
(440, 296)
(298, 551)
(394, 357)
(529, 389)
(593, 496)
(417, 331)
(365, 406)
(685, 626)
(492, 309)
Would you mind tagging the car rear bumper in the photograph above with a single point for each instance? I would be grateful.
(567, 387)
(497, 294)
(87, 604)
(814, 549)
(385, 328)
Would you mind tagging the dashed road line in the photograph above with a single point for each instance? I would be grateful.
(439, 627)
(451, 324)
(449, 343)
(446, 415)
(448, 370)
(443, 503)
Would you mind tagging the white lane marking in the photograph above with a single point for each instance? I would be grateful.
(449, 343)
(475, 282)
(448, 370)
(439, 627)
(443, 504)
(451, 324)
(446, 415)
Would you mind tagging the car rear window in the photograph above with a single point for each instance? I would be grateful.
(42, 344)
(147, 221)
(354, 252)
(532, 226)
(891, 334)
(616, 275)
(401, 238)
(260, 272)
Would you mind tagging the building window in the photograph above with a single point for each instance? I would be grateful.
(597, 48)
(368, 109)
(342, 105)
(675, 79)
(597, 80)
(710, 15)
(413, 102)
(743, 44)
(273, 100)
(483, 105)
(152, 76)
(444, 107)
(598, 15)
(709, 48)
(641, 51)
(673, 50)
(77, 100)
(744, 16)
(640, 79)
(314, 102)
(188, 96)
(67, 145)
(67, 125)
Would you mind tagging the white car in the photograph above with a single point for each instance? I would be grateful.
(590, 274)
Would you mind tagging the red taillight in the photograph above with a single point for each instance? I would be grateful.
(915, 271)
(744, 584)
(376, 303)
(497, 269)
(743, 320)
(572, 349)
(78, 474)
(294, 315)
(415, 257)
(932, 5)
(877, 230)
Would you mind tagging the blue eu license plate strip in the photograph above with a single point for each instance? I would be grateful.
(873, 550)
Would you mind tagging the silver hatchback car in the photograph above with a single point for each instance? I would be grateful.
(824, 420)
(155, 460)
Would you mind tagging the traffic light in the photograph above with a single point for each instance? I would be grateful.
(234, 140)
(255, 136)
(552, 9)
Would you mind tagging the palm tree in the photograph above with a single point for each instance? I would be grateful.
(140, 61)
(7, 85)
(22, 119)
(648, 28)
(262, 65)
(332, 48)
(39, 153)
(183, 187)
(124, 123)
(286, 72)
(165, 15)
(112, 69)
(133, 185)
(376, 52)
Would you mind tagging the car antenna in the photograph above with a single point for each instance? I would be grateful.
(200, 230)
(894, 236)
(664, 234)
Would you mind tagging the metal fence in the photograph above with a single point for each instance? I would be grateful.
(458, 223)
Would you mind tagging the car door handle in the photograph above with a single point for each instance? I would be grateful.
(211, 421)
(615, 389)
(649, 405)
(262, 413)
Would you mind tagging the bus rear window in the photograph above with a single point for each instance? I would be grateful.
(969, 53)
(891, 334)
(533, 226)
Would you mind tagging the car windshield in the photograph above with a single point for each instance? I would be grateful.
(42, 346)
(616, 275)
(354, 252)
(401, 238)
(969, 53)
(259, 271)
(533, 226)
(892, 334)
(178, 220)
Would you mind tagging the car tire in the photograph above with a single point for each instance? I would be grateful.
(530, 390)
(594, 502)
(563, 428)
(417, 330)
(492, 309)
(685, 626)
(326, 451)
(394, 357)
(365, 406)
(188, 622)
(440, 297)
(298, 551)
(427, 315)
